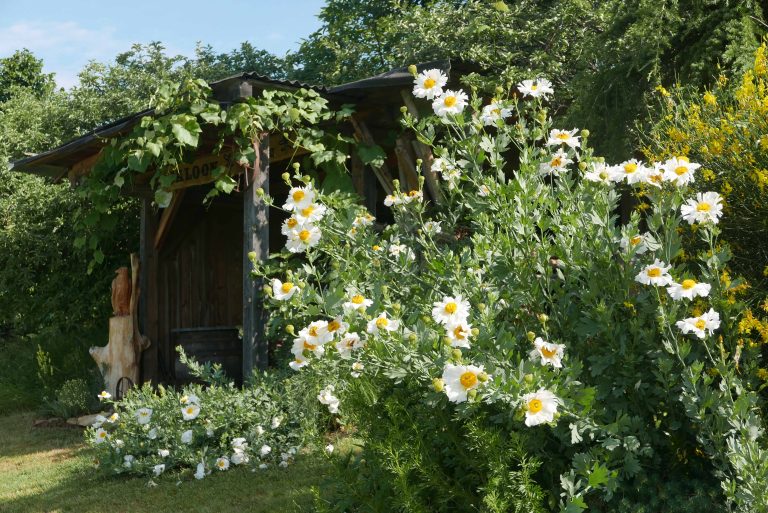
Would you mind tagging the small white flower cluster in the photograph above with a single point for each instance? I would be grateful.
(300, 228)
(453, 313)
(429, 84)
(327, 398)
(449, 171)
(567, 144)
(538, 88)
(402, 199)
(677, 171)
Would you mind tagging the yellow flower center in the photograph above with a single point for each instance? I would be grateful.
(382, 322)
(358, 299)
(563, 136)
(534, 87)
(703, 207)
(655, 178)
(701, 324)
(450, 307)
(684, 159)
(459, 332)
(313, 331)
(221, 464)
(292, 222)
(190, 410)
(681, 170)
(304, 235)
(556, 162)
(654, 272)
(548, 353)
(468, 379)
(429, 83)
(376, 247)
(298, 196)
(350, 342)
(413, 194)
(630, 168)
(308, 211)
(309, 346)
(449, 101)
(535, 406)
(688, 284)
(287, 286)
(102, 434)
(636, 240)
(496, 112)
(334, 325)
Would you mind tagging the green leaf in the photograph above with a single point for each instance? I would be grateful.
(163, 198)
(183, 135)
(599, 475)
(373, 155)
(154, 148)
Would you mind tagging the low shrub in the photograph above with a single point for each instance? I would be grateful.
(513, 347)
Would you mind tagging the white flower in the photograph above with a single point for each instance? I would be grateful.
(128, 460)
(311, 213)
(282, 464)
(163, 453)
(679, 170)
(119, 443)
(483, 191)
(460, 379)
(450, 310)
(259, 430)
(600, 172)
(152, 433)
(283, 291)
(276, 421)
(494, 112)
(688, 289)
(265, 449)
(429, 84)
(541, 87)
(239, 443)
(357, 369)
(316, 333)
(289, 224)
(655, 274)
(432, 228)
(100, 435)
(222, 463)
(548, 353)
(636, 244)
(556, 165)
(655, 175)
(302, 238)
(190, 399)
(707, 207)
(104, 395)
(285, 456)
(209, 432)
(348, 343)
(702, 325)
(298, 362)
(200, 472)
(159, 469)
(458, 332)
(451, 102)
(363, 220)
(382, 323)
(239, 457)
(633, 171)
(98, 421)
(337, 326)
(186, 437)
(190, 411)
(143, 415)
(113, 418)
(540, 407)
(299, 198)
(263, 466)
(326, 397)
(329, 449)
(391, 199)
(567, 137)
(356, 302)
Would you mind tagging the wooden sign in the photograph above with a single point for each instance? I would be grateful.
(198, 172)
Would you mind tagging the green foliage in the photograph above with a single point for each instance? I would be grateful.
(23, 71)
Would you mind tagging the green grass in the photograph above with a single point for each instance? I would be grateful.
(49, 470)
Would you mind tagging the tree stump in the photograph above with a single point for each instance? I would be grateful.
(121, 356)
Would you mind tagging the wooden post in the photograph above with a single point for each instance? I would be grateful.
(256, 240)
(148, 304)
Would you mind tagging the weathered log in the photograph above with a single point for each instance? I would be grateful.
(121, 356)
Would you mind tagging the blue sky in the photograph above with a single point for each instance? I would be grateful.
(66, 34)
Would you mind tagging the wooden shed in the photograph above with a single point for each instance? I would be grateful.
(195, 282)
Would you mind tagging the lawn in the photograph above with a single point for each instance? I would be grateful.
(50, 470)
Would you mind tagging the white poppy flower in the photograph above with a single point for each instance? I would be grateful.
(688, 289)
(567, 137)
(113, 418)
(128, 460)
(451, 102)
(679, 170)
(104, 395)
(357, 369)
(548, 353)
(311, 213)
(329, 449)
(186, 437)
(283, 464)
(655, 175)
(302, 238)
(259, 430)
(98, 421)
(556, 165)
(239, 457)
(265, 449)
(633, 171)
(600, 172)
(283, 291)
(356, 302)
(152, 433)
(458, 332)
(298, 362)
(450, 310)
(337, 326)
(656, 274)
(289, 224)
(263, 466)
(190, 411)
(299, 198)
(432, 228)
(429, 84)
(483, 191)
(143, 415)
(190, 399)
(159, 469)
(702, 325)
(163, 453)
(100, 435)
(276, 421)
(200, 471)
(707, 207)
(539, 88)
(382, 323)
(540, 407)
(239, 443)
(636, 244)
(326, 397)
(349, 343)
(363, 220)
(494, 112)
(460, 379)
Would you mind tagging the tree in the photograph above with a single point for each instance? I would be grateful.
(23, 70)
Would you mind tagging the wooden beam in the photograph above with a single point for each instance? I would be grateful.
(423, 151)
(362, 134)
(82, 168)
(148, 301)
(256, 240)
(166, 220)
(357, 172)
(406, 163)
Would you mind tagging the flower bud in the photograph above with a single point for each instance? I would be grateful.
(482, 377)
(499, 89)
(531, 336)
(481, 307)
(528, 378)
(543, 318)
(267, 290)
(403, 109)
(585, 133)
(290, 329)
(412, 69)
(286, 177)
(426, 319)
(260, 192)
(438, 384)
(472, 394)
(447, 341)
(412, 337)
(583, 165)
(396, 307)
(456, 354)
(252, 256)
(541, 116)
(306, 178)
(296, 166)
(475, 332)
